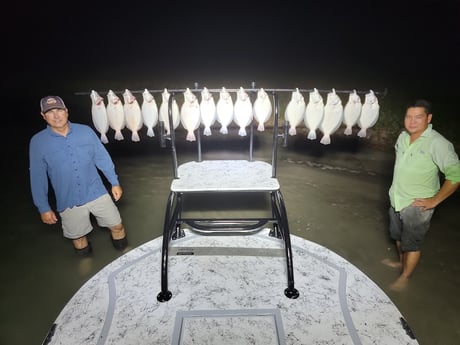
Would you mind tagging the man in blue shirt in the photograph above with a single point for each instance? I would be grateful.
(70, 156)
(421, 154)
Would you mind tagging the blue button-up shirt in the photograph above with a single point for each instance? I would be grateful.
(71, 163)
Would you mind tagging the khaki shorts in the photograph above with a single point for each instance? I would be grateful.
(76, 220)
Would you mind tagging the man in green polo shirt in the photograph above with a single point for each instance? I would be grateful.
(421, 153)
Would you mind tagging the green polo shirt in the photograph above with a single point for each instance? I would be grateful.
(417, 167)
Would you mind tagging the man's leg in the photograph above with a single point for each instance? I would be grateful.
(416, 223)
(409, 263)
(118, 232)
(80, 243)
(76, 225)
(393, 263)
(119, 239)
(82, 246)
(395, 230)
(107, 213)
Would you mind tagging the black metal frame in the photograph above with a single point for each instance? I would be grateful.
(173, 215)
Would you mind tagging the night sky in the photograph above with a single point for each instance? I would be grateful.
(408, 47)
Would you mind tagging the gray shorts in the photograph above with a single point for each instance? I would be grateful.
(76, 220)
(409, 226)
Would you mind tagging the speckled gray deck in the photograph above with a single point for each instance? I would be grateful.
(238, 299)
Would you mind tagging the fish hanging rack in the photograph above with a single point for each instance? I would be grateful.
(252, 91)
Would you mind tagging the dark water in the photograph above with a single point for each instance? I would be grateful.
(335, 196)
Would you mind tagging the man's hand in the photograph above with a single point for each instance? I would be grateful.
(425, 204)
(49, 217)
(117, 192)
(446, 190)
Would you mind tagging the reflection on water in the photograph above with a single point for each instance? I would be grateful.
(85, 266)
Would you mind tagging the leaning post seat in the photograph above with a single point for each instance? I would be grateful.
(224, 176)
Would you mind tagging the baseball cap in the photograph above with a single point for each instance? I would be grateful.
(51, 102)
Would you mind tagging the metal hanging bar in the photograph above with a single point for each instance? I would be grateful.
(252, 89)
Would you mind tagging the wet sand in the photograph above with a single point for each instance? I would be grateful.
(335, 195)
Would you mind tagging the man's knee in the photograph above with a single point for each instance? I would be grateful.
(117, 228)
(80, 243)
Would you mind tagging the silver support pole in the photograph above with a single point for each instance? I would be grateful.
(172, 135)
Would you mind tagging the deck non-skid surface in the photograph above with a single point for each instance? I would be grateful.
(225, 176)
(231, 294)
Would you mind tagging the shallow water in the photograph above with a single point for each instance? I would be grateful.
(335, 195)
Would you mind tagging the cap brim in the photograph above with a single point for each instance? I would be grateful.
(54, 107)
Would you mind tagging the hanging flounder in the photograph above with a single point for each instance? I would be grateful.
(351, 112)
(295, 111)
(333, 117)
(163, 114)
(224, 110)
(115, 114)
(262, 109)
(207, 110)
(314, 113)
(242, 111)
(99, 115)
(190, 114)
(149, 111)
(369, 113)
(133, 114)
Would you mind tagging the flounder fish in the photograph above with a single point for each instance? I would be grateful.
(369, 113)
(115, 114)
(333, 117)
(242, 111)
(224, 110)
(314, 113)
(99, 115)
(133, 114)
(149, 111)
(163, 113)
(207, 111)
(262, 109)
(351, 112)
(190, 114)
(295, 111)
